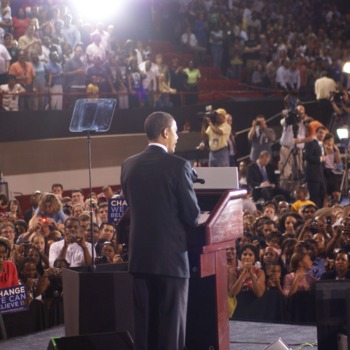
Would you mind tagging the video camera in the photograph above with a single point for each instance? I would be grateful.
(209, 113)
(337, 96)
(292, 115)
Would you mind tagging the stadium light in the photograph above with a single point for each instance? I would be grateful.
(102, 10)
(346, 68)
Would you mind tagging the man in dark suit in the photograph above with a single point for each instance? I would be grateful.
(158, 189)
(262, 180)
(314, 157)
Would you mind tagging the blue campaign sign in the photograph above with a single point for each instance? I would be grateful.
(13, 299)
(116, 208)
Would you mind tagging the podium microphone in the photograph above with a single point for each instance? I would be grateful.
(196, 179)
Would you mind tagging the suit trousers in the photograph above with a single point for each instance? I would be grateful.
(160, 309)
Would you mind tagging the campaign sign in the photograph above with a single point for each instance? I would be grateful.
(116, 208)
(13, 299)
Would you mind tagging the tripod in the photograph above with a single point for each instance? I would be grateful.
(345, 179)
(295, 178)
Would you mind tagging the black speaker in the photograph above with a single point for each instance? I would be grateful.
(98, 341)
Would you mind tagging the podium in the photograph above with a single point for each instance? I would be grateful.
(102, 301)
(207, 317)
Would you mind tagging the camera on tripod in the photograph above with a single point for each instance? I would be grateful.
(209, 113)
(337, 96)
(292, 115)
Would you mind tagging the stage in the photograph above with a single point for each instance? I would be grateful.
(243, 336)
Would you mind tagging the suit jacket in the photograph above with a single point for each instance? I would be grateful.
(313, 166)
(158, 189)
(255, 178)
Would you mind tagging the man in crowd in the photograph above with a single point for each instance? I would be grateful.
(73, 247)
(293, 138)
(158, 189)
(261, 137)
(315, 157)
(324, 86)
(217, 130)
(77, 196)
(262, 180)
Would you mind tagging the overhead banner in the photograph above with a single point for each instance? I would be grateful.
(13, 299)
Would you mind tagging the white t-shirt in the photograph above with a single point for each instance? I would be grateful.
(74, 254)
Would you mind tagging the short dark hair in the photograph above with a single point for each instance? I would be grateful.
(78, 190)
(57, 185)
(156, 122)
(252, 248)
(321, 128)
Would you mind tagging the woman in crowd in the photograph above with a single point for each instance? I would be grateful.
(288, 224)
(341, 271)
(298, 280)
(8, 271)
(49, 208)
(7, 230)
(332, 180)
(249, 277)
(109, 250)
(14, 209)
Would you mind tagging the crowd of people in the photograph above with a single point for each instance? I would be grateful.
(55, 232)
(50, 58)
(48, 52)
(271, 44)
(291, 238)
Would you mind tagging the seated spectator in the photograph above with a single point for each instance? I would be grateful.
(10, 94)
(262, 180)
(8, 271)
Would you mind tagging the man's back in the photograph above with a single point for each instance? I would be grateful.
(157, 187)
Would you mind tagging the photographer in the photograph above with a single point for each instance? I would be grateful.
(73, 247)
(341, 105)
(261, 137)
(217, 130)
(294, 136)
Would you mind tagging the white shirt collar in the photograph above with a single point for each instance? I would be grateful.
(159, 145)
